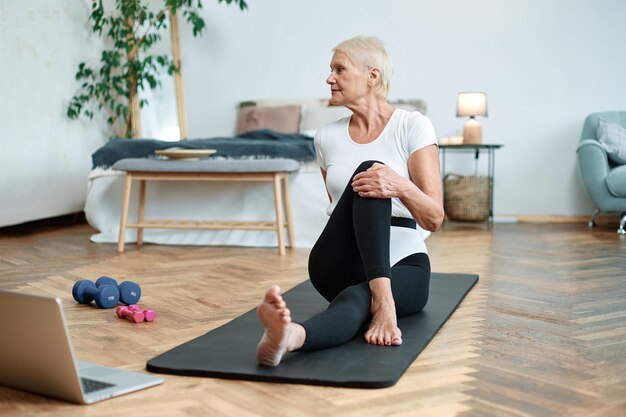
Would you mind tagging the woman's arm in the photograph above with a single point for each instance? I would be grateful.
(424, 199)
(324, 176)
(421, 194)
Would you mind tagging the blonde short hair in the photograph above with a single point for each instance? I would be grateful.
(367, 52)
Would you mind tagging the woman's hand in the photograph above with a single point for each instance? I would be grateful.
(423, 196)
(380, 181)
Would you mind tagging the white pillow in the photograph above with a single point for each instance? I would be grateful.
(613, 139)
(314, 117)
(410, 105)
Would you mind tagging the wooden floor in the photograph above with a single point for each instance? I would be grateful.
(542, 334)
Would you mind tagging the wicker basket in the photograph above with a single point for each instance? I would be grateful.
(466, 198)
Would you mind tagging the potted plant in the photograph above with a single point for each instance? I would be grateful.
(132, 28)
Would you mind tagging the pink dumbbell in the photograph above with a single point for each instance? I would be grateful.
(149, 314)
(132, 315)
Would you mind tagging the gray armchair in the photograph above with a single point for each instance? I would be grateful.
(604, 180)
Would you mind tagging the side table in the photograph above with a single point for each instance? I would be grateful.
(475, 149)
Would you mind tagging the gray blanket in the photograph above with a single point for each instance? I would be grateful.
(256, 144)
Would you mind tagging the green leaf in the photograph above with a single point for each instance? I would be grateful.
(130, 26)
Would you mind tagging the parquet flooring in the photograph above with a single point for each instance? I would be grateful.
(542, 334)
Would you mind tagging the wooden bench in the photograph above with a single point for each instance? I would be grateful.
(275, 171)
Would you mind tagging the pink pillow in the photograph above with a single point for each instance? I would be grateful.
(284, 119)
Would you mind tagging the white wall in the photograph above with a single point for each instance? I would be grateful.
(544, 65)
(44, 157)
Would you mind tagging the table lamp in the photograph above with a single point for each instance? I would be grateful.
(471, 105)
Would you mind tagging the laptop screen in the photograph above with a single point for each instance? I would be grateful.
(35, 349)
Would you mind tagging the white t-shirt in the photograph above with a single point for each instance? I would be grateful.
(338, 155)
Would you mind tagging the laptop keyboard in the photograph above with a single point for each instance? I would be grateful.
(91, 385)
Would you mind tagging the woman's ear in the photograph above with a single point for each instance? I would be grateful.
(373, 77)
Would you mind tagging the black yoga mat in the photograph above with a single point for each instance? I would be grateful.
(229, 351)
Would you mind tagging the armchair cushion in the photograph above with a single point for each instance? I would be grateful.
(613, 139)
(616, 181)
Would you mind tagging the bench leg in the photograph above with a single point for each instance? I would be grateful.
(287, 202)
(280, 224)
(123, 220)
(140, 211)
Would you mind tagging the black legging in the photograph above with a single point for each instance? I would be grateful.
(352, 249)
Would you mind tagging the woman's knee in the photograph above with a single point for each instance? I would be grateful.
(365, 165)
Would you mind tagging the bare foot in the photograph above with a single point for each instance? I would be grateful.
(383, 329)
(281, 335)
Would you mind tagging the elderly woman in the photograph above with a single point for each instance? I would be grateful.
(381, 169)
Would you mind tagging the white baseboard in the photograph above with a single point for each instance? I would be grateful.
(505, 219)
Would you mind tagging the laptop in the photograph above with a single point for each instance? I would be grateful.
(36, 354)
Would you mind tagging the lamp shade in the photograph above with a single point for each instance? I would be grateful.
(471, 105)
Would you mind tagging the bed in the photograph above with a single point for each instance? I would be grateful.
(213, 201)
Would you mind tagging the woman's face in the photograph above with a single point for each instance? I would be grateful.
(347, 83)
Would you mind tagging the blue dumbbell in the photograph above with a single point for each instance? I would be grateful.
(85, 291)
(130, 292)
